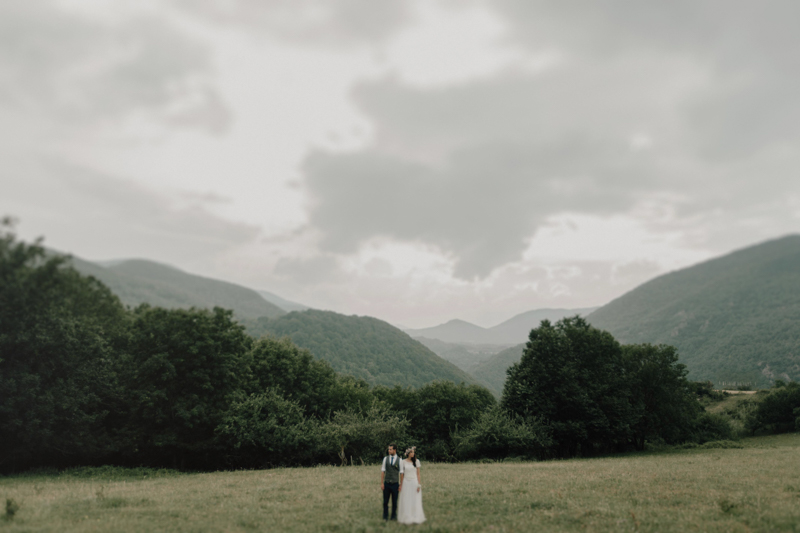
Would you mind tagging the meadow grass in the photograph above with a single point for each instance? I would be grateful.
(754, 488)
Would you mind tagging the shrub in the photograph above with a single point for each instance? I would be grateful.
(778, 412)
(497, 435)
(712, 427)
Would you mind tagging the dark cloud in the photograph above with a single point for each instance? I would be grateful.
(481, 205)
(749, 98)
(326, 22)
(681, 103)
(59, 64)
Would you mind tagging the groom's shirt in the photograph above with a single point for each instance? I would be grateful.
(392, 460)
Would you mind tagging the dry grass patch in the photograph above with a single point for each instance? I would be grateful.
(750, 489)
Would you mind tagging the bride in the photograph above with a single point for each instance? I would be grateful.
(409, 504)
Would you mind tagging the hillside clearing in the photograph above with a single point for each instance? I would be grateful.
(755, 488)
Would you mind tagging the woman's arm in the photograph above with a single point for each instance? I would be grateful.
(419, 479)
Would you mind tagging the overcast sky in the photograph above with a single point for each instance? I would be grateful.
(416, 161)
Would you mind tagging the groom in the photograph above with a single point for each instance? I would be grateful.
(391, 481)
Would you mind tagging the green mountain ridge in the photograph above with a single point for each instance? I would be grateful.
(735, 318)
(361, 346)
(492, 372)
(138, 281)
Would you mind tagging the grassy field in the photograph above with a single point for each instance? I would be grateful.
(754, 488)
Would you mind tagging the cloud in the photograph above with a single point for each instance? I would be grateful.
(679, 105)
(99, 216)
(314, 22)
(63, 65)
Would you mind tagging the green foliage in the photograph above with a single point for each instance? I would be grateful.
(573, 377)
(778, 412)
(436, 411)
(664, 401)
(705, 390)
(497, 435)
(267, 430)
(363, 347)
(363, 435)
(732, 319)
(58, 331)
(711, 427)
(183, 369)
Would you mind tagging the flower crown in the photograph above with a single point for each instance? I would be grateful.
(412, 449)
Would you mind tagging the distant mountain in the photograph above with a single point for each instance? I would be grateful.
(452, 331)
(361, 346)
(492, 372)
(516, 329)
(512, 331)
(734, 318)
(137, 281)
(286, 305)
(464, 356)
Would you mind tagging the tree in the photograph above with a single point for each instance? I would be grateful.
(58, 331)
(312, 384)
(363, 435)
(664, 400)
(184, 367)
(779, 411)
(573, 377)
(436, 411)
(266, 429)
(497, 435)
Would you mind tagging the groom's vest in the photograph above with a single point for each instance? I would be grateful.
(392, 470)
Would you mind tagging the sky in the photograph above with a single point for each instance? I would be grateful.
(413, 160)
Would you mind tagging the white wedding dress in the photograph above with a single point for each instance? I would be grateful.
(409, 503)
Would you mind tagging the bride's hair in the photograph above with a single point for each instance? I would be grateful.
(413, 459)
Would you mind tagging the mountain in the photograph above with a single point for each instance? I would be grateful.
(492, 372)
(464, 356)
(512, 331)
(733, 319)
(452, 331)
(137, 281)
(286, 305)
(361, 346)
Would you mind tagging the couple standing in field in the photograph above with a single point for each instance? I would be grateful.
(401, 482)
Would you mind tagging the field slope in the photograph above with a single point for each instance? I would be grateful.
(362, 346)
(753, 489)
(734, 318)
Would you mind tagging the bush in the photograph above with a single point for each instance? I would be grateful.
(267, 430)
(778, 412)
(712, 427)
(497, 435)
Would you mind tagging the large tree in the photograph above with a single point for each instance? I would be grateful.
(573, 378)
(665, 403)
(183, 370)
(58, 332)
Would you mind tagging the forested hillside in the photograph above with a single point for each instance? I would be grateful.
(492, 372)
(363, 347)
(735, 318)
(466, 356)
(138, 281)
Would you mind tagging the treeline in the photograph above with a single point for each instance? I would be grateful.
(83, 380)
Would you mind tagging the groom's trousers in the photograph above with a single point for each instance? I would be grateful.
(390, 490)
